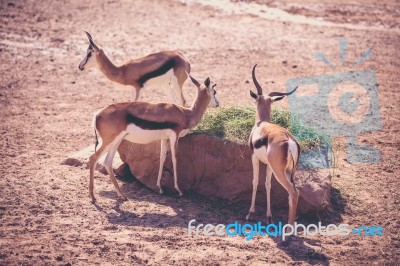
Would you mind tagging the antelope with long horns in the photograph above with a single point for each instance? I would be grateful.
(142, 122)
(157, 70)
(274, 146)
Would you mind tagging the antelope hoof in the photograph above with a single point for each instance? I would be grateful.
(179, 191)
(249, 216)
(287, 230)
(123, 197)
(160, 190)
(92, 197)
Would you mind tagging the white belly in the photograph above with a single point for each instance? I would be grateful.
(144, 136)
(293, 149)
(184, 133)
(261, 154)
(162, 81)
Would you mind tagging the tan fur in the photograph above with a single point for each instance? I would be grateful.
(275, 154)
(112, 121)
(130, 72)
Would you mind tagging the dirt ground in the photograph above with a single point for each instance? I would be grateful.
(46, 217)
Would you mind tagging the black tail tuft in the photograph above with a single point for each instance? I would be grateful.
(97, 140)
(293, 169)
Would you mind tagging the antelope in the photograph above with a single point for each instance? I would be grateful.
(274, 146)
(142, 122)
(152, 71)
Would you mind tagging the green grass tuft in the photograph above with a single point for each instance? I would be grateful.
(235, 123)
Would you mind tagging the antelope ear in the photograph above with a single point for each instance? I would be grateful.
(277, 98)
(195, 82)
(252, 94)
(207, 82)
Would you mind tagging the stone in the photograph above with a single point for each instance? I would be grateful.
(222, 169)
(214, 168)
(81, 158)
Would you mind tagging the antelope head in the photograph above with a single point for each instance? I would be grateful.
(90, 60)
(210, 89)
(264, 102)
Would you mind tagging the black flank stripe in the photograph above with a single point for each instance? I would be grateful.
(158, 72)
(150, 125)
(260, 142)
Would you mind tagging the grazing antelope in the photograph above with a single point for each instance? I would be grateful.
(166, 68)
(142, 122)
(274, 146)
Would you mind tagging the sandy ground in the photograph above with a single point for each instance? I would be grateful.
(46, 217)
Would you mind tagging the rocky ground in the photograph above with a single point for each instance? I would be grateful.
(46, 216)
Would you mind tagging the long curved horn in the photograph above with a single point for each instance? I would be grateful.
(272, 94)
(91, 41)
(88, 35)
(259, 89)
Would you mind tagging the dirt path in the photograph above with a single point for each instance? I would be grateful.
(47, 105)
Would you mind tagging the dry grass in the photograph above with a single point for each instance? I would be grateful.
(235, 123)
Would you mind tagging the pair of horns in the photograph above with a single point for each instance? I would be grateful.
(91, 41)
(271, 94)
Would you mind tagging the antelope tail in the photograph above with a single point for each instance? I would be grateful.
(97, 140)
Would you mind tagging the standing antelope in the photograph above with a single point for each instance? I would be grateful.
(141, 122)
(274, 146)
(152, 71)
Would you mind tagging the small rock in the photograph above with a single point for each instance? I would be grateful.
(388, 170)
(59, 40)
(59, 258)
(40, 19)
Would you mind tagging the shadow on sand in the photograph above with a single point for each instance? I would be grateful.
(213, 211)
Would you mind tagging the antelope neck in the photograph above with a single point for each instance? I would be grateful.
(110, 70)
